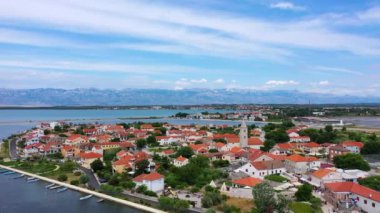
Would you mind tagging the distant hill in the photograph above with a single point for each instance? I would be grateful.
(91, 97)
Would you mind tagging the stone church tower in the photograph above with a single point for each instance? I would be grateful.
(243, 134)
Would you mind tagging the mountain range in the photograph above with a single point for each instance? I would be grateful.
(110, 97)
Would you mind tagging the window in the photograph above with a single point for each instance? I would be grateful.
(373, 205)
(246, 170)
(365, 201)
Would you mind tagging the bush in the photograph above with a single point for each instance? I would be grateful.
(141, 189)
(173, 204)
(84, 179)
(62, 177)
(304, 192)
(77, 173)
(275, 178)
(150, 193)
(74, 182)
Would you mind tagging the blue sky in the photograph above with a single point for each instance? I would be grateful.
(313, 46)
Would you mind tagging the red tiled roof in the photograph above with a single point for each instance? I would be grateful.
(267, 165)
(354, 188)
(299, 158)
(353, 143)
(320, 173)
(247, 181)
(255, 141)
(149, 177)
(168, 152)
(180, 158)
(285, 145)
(90, 155)
(124, 161)
(312, 145)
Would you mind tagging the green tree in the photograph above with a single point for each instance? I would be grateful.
(351, 161)
(186, 152)
(268, 145)
(141, 166)
(46, 132)
(97, 165)
(141, 143)
(57, 128)
(83, 179)
(371, 147)
(151, 141)
(265, 199)
(372, 182)
(173, 204)
(62, 177)
(304, 192)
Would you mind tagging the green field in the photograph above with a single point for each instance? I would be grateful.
(299, 207)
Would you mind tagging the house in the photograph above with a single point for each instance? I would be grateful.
(123, 164)
(51, 148)
(349, 194)
(199, 148)
(261, 169)
(167, 140)
(353, 146)
(147, 127)
(32, 149)
(326, 175)
(153, 181)
(67, 151)
(311, 148)
(88, 157)
(337, 151)
(246, 182)
(241, 188)
(300, 164)
(76, 139)
(283, 148)
(300, 139)
(255, 143)
(180, 161)
(234, 154)
(166, 152)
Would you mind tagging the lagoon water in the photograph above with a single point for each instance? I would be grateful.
(18, 196)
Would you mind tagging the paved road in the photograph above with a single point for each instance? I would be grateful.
(93, 182)
(13, 149)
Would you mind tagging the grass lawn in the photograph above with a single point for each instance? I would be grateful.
(276, 178)
(245, 205)
(4, 153)
(299, 207)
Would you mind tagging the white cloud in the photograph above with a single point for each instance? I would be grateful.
(189, 83)
(281, 83)
(324, 83)
(219, 81)
(191, 31)
(287, 6)
(337, 70)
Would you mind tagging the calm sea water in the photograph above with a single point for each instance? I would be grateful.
(18, 196)
(15, 121)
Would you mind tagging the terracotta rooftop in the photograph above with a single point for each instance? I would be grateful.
(148, 177)
(354, 188)
(247, 181)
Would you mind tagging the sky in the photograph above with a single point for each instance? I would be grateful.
(319, 46)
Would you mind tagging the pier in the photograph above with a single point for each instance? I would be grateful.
(87, 191)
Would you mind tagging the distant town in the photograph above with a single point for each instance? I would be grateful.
(276, 160)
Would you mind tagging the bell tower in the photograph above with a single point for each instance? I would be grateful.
(243, 134)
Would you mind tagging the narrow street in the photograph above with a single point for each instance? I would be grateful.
(93, 182)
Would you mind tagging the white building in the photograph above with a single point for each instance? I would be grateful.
(299, 164)
(261, 169)
(180, 161)
(153, 181)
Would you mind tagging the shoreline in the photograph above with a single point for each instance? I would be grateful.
(87, 191)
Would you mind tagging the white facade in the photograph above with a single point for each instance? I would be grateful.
(368, 205)
(301, 167)
(250, 170)
(155, 185)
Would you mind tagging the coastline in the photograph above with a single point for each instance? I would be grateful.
(87, 191)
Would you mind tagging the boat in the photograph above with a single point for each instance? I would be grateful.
(54, 187)
(50, 185)
(3, 171)
(100, 200)
(9, 173)
(31, 178)
(62, 189)
(20, 176)
(32, 181)
(85, 197)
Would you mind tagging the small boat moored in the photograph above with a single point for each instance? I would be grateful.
(54, 187)
(100, 200)
(9, 173)
(20, 176)
(62, 189)
(85, 197)
(32, 181)
(50, 185)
